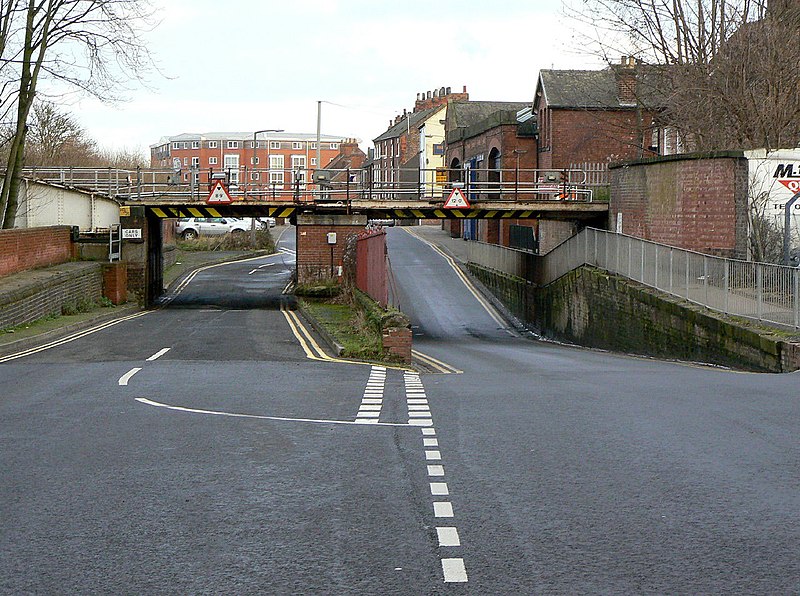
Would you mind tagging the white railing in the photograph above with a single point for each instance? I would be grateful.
(499, 258)
(758, 291)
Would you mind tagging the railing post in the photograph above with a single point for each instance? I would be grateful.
(671, 272)
(759, 290)
(705, 277)
(726, 275)
(796, 301)
(687, 274)
(643, 246)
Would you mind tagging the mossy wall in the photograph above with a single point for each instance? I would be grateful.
(593, 308)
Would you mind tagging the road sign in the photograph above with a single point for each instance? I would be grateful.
(456, 200)
(219, 195)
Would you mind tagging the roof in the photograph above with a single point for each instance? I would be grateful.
(467, 113)
(597, 89)
(412, 120)
(244, 136)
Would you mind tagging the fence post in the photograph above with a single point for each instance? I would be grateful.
(643, 246)
(705, 277)
(687, 274)
(671, 273)
(655, 274)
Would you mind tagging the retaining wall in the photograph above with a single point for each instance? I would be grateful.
(23, 249)
(593, 308)
(44, 292)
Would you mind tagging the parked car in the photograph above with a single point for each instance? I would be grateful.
(192, 227)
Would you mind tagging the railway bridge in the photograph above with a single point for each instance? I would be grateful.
(325, 205)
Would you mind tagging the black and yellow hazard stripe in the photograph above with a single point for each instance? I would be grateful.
(440, 213)
(165, 212)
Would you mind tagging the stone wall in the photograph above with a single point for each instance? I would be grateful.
(592, 308)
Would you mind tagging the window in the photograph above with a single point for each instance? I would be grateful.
(254, 161)
(312, 146)
(212, 161)
(231, 163)
(176, 145)
(334, 145)
(195, 144)
(274, 144)
(297, 145)
(298, 167)
(276, 169)
(313, 161)
(254, 176)
(186, 161)
(212, 145)
(233, 145)
(195, 162)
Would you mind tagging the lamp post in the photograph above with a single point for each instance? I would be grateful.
(255, 142)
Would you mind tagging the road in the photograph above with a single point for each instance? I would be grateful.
(209, 446)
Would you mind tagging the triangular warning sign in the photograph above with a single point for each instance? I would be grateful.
(219, 195)
(456, 200)
(793, 185)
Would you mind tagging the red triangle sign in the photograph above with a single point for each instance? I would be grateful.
(456, 200)
(793, 185)
(219, 195)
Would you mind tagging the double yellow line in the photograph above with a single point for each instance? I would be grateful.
(435, 364)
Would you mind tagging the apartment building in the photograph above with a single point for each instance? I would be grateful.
(284, 157)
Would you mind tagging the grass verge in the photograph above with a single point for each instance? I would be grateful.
(347, 325)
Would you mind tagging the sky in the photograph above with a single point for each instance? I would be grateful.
(245, 65)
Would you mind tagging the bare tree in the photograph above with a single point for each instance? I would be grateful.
(88, 45)
(55, 138)
(729, 69)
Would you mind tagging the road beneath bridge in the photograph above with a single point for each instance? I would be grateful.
(210, 446)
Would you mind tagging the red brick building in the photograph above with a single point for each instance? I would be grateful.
(280, 152)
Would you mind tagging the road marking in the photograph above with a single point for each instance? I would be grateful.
(439, 489)
(429, 431)
(156, 404)
(73, 337)
(158, 354)
(433, 442)
(448, 536)
(260, 267)
(435, 364)
(442, 509)
(123, 380)
(188, 279)
(372, 400)
(435, 470)
(454, 570)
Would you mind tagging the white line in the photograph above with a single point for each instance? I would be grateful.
(442, 509)
(439, 489)
(265, 265)
(430, 442)
(429, 431)
(150, 402)
(370, 407)
(369, 400)
(448, 536)
(420, 422)
(123, 380)
(435, 470)
(158, 354)
(433, 455)
(454, 570)
(418, 408)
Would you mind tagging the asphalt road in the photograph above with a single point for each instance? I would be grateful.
(209, 447)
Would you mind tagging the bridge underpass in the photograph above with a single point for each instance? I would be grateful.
(325, 202)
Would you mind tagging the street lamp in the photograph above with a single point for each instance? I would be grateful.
(255, 142)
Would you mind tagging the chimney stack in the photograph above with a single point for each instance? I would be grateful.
(625, 75)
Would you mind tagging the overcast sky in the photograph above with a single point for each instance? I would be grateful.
(243, 65)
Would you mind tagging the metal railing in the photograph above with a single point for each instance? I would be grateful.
(759, 291)
(313, 185)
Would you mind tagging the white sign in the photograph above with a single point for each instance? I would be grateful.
(132, 233)
(456, 200)
(219, 195)
(774, 180)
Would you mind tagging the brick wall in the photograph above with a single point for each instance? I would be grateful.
(316, 259)
(595, 136)
(371, 270)
(46, 291)
(693, 202)
(397, 342)
(30, 248)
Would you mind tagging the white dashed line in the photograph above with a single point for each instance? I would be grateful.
(372, 401)
(123, 380)
(454, 570)
(448, 536)
(158, 354)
